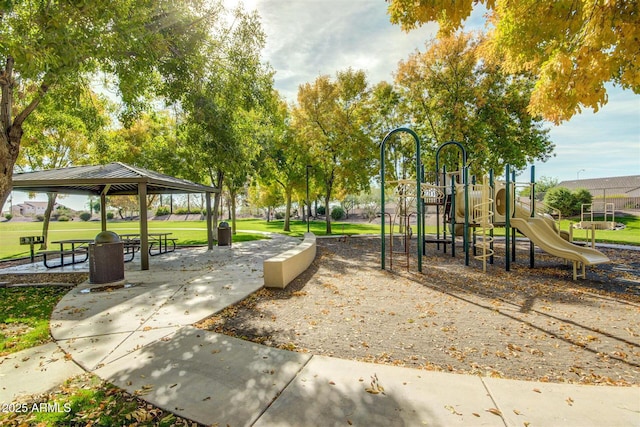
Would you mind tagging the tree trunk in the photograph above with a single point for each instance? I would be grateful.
(304, 209)
(51, 202)
(287, 213)
(326, 211)
(216, 202)
(11, 131)
(9, 149)
(232, 211)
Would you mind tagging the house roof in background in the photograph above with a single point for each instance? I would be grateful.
(34, 204)
(620, 184)
(114, 179)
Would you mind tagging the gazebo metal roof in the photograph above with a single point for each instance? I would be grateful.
(114, 179)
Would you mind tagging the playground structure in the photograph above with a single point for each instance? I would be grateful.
(595, 216)
(472, 210)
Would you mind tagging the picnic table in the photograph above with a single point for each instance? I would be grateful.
(159, 243)
(131, 245)
(75, 249)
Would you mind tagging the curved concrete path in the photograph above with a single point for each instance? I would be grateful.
(140, 339)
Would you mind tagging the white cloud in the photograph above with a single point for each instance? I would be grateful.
(312, 37)
(306, 39)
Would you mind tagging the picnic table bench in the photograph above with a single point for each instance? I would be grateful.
(159, 243)
(78, 253)
(131, 245)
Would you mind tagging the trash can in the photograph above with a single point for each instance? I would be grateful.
(224, 234)
(106, 258)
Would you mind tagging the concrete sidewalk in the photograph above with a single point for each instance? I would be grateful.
(140, 338)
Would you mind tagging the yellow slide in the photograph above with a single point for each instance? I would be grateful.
(524, 213)
(543, 236)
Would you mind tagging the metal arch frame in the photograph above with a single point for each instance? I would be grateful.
(420, 235)
(465, 179)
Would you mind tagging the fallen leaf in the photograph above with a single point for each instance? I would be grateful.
(452, 410)
(495, 411)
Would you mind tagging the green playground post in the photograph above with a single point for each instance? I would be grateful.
(418, 195)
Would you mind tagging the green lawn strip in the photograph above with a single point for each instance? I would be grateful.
(87, 400)
(24, 316)
(195, 232)
(187, 233)
(298, 228)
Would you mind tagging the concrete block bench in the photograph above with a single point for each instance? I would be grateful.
(281, 269)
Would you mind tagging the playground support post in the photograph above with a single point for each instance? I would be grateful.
(507, 224)
(513, 232)
(465, 238)
(452, 220)
(420, 236)
(532, 194)
(492, 189)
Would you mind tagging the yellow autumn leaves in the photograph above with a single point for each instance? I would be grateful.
(573, 48)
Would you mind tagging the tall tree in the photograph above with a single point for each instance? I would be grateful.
(232, 85)
(284, 157)
(574, 47)
(334, 119)
(61, 43)
(452, 95)
(60, 135)
(149, 141)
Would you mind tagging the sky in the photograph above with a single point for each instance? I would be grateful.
(309, 38)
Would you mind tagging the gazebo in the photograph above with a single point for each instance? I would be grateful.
(115, 179)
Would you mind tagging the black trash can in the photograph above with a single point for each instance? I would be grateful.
(224, 234)
(106, 258)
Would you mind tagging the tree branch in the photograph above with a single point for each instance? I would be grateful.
(7, 94)
(20, 118)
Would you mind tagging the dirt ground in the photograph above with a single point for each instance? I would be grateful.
(530, 324)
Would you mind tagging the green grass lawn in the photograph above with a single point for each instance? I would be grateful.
(87, 400)
(195, 232)
(24, 316)
(187, 232)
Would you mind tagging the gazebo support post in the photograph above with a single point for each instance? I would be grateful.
(144, 226)
(209, 222)
(103, 210)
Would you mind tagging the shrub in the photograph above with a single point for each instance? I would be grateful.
(321, 210)
(63, 218)
(567, 202)
(279, 215)
(162, 210)
(561, 199)
(8, 217)
(337, 213)
(85, 216)
(39, 217)
(581, 196)
(110, 215)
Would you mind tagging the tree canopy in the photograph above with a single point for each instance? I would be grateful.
(61, 43)
(451, 95)
(333, 118)
(574, 47)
